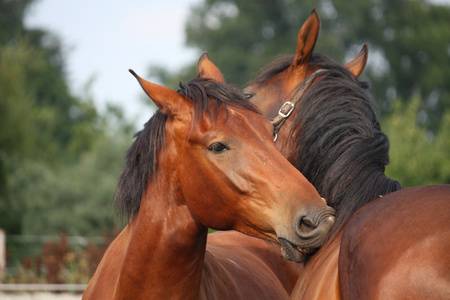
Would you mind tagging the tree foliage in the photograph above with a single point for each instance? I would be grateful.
(418, 157)
(12, 14)
(59, 158)
(72, 199)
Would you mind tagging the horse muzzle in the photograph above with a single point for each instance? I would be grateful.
(311, 232)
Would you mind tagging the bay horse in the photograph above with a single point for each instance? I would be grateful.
(206, 159)
(325, 123)
(397, 247)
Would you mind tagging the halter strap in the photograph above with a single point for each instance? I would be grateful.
(288, 106)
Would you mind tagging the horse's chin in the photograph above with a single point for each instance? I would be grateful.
(293, 252)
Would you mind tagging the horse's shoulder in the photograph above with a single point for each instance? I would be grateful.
(397, 241)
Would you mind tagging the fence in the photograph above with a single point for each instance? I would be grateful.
(49, 263)
(2, 255)
(35, 287)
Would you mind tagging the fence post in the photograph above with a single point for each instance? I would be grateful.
(2, 255)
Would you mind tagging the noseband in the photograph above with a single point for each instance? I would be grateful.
(288, 106)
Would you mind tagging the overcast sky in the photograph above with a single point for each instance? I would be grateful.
(104, 38)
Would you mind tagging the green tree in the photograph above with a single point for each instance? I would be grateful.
(410, 40)
(12, 14)
(44, 192)
(59, 158)
(33, 131)
(33, 73)
(418, 157)
(71, 199)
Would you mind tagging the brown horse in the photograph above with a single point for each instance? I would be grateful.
(398, 247)
(206, 159)
(326, 126)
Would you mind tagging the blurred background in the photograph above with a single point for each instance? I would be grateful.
(69, 108)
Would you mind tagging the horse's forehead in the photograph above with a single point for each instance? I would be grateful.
(202, 123)
(252, 123)
(233, 120)
(245, 117)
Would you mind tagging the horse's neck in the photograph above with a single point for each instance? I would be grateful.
(320, 279)
(164, 250)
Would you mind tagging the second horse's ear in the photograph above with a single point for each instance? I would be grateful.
(206, 69)
(306, 39)
(167, 100)
(357, 65)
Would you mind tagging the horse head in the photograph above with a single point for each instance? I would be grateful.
(325, 123)
(270, 92)
(227, 170)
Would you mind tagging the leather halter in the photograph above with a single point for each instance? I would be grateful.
(288, 106)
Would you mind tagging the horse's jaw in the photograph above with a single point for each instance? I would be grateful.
(293, 252)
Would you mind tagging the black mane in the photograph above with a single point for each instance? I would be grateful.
(336, 141)
(141, 159)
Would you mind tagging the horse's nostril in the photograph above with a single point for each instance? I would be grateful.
(306, 225)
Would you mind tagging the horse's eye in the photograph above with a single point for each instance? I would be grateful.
(248, 96)
(218, 148)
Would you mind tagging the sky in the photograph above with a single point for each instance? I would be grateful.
(102, 39)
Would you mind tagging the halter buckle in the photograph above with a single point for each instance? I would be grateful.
(286, 109)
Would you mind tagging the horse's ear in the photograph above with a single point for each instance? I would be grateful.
(167, 100)
(306, 39)
(357, 65)
(206, 69)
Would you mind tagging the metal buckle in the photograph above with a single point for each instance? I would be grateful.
(286, 114)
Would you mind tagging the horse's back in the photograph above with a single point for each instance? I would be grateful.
(241, 267)
(397, 247)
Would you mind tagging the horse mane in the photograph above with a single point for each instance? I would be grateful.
(141, 159)
(336, 141)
